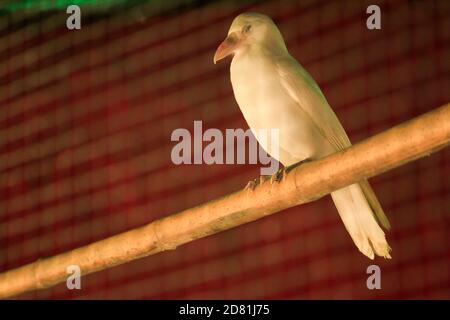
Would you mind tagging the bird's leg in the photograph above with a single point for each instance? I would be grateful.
(252, 184)
(279, 175)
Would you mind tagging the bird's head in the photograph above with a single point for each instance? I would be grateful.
(250, 30)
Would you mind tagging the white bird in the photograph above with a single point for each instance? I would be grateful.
(274, 91)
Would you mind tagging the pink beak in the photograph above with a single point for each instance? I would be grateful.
(227, 47)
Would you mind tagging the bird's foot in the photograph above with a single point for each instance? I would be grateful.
(252, 184)
(279, 175)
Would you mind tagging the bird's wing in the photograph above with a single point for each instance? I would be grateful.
(305, 91)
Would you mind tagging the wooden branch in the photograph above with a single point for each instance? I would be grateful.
(406, 142)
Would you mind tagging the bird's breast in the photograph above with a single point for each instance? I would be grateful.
(258, 91)
(267, 104)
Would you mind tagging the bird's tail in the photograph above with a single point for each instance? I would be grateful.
(357, 211)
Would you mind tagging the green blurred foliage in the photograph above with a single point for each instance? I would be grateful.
(43, 5)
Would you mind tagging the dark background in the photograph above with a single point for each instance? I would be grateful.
(85, 124)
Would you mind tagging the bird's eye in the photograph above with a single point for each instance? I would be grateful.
(246, 28)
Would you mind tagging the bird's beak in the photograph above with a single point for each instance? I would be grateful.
(227, 47)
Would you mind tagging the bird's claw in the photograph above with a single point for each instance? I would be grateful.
(278, 176)
(281, 173)
(252, 184)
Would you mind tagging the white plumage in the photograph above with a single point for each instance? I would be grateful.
(273, 91)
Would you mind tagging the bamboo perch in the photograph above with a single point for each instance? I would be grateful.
(406, 142)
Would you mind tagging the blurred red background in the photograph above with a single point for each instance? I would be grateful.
(85, 124)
